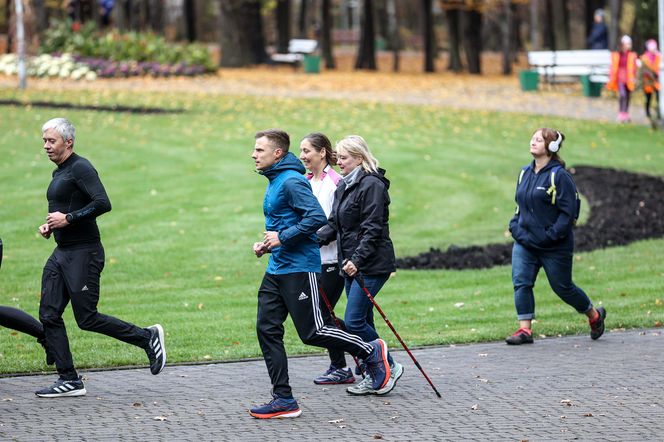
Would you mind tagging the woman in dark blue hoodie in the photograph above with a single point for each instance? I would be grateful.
(546, 211)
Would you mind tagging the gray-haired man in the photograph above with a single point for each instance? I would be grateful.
(76, 197)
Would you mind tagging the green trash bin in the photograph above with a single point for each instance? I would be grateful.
(312, 64)
(590, 88)
(529, 80)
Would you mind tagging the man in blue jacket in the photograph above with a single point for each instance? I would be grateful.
(292, 217)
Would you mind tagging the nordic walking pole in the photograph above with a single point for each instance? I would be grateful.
(360, 281)
(338, 323)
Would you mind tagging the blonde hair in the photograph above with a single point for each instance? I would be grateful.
(357, 148)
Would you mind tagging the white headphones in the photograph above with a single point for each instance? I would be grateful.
(555, 145)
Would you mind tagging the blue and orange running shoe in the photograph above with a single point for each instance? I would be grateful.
(278, 407)
(378, 365)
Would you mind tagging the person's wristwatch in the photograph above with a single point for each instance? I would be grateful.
(69, 217)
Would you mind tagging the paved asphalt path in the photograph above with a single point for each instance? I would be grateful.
(569, 388)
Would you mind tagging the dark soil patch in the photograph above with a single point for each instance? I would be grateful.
(624, 207)
(110, 108)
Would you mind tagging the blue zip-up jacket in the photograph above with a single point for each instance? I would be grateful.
(538, 224)
(291, 209)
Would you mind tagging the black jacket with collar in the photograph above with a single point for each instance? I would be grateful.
(359, 223)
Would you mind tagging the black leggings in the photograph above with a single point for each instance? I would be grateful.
(331, 284)
(19, 320)
(649, 99)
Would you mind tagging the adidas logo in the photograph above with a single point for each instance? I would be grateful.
(302, 297)
(330, 269)
(85, 288)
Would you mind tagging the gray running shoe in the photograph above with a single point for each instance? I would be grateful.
(363, 388)
(396, 370)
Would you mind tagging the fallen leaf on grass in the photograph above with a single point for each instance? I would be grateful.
(658, 323)
(459, 304)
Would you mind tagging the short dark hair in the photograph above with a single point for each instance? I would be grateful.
(278, 138)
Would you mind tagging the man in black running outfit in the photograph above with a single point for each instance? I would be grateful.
(76, 197)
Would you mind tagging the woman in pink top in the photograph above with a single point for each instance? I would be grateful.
(318, 157)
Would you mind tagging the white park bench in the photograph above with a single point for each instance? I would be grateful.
(297, 49)
(561, 66)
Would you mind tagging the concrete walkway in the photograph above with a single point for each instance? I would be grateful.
(567, 388)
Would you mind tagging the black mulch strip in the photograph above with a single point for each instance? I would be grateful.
(624, 207)
(111, 108)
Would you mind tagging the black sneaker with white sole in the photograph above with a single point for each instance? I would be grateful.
(156, 349)
(63, 388)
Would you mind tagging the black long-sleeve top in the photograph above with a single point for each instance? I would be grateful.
(77, 189)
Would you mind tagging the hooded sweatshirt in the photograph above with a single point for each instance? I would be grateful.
(538, 223)
(291, 209)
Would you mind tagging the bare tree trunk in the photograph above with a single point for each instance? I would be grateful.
(302, 20)
(156, 16)
(41, 18)
(366, 56)
(453, 32)
(614, 29)
(516, 32)
(254, 29)
(133, 11)
(395, 40)
(242, 42)
(549, 27)
(472, 40)
(283, 25)
(8, 20)
(190, 19)
(428, 37)
(507, 25)
(567, 34)
(535, 41)
(326, 35)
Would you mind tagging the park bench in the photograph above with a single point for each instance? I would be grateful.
(565, 66)
(297, 49)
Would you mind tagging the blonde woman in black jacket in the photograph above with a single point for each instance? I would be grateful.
(359, 223)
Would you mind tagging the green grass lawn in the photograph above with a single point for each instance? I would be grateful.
(187, 205)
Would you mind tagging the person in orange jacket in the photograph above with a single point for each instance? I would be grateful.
(650, 62)
(622, 78)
